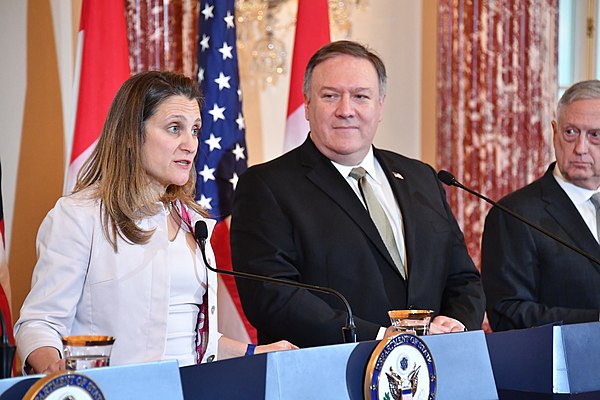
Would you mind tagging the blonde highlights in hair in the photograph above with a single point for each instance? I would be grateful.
(114, 169)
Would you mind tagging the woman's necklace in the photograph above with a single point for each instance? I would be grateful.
(173, 221)
(168, 208)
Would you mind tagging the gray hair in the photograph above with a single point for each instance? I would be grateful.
(344, 47)
(584, 90)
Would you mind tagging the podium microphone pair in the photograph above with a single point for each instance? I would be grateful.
(348, 331)
(449, 179)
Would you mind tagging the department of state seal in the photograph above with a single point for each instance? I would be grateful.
(64, 385)
(401, 368)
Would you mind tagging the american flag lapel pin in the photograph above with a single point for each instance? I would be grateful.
(398, 175)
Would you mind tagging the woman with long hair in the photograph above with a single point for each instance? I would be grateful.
(118, 257)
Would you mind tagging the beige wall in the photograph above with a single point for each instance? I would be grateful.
(37, 55)
(429, 40)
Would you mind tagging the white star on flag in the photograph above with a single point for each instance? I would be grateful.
(205, 202)
(213, 142)
(234, 180)
(239, 152)
(217, 113)
(223, 81)
(208, 11)
(207, 173)
(226, 51)
(240, 121)
(204, 42)
(229, 20)
(200, 75)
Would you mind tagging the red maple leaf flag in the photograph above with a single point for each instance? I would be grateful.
(312, 32)
(102, 66)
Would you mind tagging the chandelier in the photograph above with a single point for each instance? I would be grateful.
(260, 24)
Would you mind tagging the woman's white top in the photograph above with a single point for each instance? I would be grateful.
(81, 286)
(188, 285)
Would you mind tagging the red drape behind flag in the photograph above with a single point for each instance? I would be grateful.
(497, 82)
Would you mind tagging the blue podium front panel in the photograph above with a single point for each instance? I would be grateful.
(338, 372)
(550, 359)
(153, 381)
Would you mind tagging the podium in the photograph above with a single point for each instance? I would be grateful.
(462, 364)
(463, 371)
(548, 362)
(152, 381)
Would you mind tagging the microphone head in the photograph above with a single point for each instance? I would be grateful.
(201, 231)
(446, 177)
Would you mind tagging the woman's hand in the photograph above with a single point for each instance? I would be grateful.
(277, 346)
(45, 360)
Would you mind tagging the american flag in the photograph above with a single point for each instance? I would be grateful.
(222, 154)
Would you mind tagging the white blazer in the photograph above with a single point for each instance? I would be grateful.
(80, 286)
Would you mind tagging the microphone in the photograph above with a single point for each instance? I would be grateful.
(449, 179)
(349, 331)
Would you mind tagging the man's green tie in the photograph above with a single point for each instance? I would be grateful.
(379, 218)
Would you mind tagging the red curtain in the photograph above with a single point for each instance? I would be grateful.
(497, 90)
(162, 35)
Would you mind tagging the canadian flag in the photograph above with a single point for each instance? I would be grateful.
(312, 32)
(101, 67)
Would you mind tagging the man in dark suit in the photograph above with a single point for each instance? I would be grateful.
(302, 217)
(530, 279)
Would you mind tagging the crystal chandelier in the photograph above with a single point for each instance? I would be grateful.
(260, 25)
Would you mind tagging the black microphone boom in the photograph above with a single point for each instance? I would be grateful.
(449, 179)
(349, 331)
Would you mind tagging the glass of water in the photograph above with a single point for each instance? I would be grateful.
(415, 322)
(85, 352)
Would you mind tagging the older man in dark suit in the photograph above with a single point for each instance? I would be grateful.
(339, 213)
(530, 279)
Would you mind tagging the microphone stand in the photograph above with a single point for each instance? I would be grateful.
(449, 179)
(349, 330)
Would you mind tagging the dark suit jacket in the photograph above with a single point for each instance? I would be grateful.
(297, 218)
(530, 279)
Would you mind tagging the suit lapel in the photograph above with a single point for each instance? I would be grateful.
(561, 208)
(326, 177)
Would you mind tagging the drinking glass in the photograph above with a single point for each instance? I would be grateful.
(415, 322)
(85, 352)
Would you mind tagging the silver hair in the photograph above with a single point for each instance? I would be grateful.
(344, 47)
(584, 90)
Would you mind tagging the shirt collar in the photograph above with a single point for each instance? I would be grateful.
(368, 163)
(577, 194)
